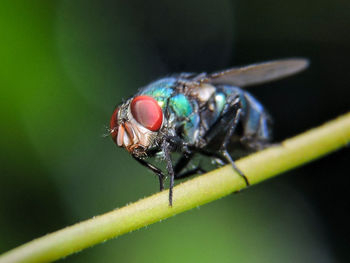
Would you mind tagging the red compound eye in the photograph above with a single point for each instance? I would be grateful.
(147, 112)
(113, 124)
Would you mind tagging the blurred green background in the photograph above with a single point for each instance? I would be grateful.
(64, 65)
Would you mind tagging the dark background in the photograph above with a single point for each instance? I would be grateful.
(66, 64)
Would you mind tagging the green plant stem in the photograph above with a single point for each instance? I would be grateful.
(200, 190)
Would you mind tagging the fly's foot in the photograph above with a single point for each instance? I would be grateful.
(229, 159)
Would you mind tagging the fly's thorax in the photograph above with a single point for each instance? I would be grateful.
(179, 108)
(136, 124)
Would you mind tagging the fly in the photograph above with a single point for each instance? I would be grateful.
(205, 114)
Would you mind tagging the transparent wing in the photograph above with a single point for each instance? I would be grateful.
(257, 73)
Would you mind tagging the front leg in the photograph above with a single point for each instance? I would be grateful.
(154, 169)
(169, 164)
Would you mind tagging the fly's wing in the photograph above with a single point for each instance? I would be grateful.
(257, 73)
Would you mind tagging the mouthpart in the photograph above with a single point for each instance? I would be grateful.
(133, 137)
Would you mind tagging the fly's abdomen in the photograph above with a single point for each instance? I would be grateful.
(257, 122)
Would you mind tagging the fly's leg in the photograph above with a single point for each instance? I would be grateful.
(182, 163)
(166, 146)
(170, 168)
(230, 118)
(173, 172)
(229, 113)
(177, 144)
(154, 169)
(223, 148)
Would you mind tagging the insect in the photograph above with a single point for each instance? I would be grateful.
(206, 114)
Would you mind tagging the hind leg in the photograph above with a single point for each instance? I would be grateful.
(229, 120)
(223, 148)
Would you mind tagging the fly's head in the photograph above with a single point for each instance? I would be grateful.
(136, 124)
